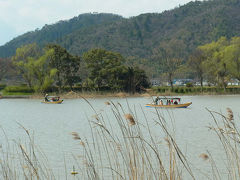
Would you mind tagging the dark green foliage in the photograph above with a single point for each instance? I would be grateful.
(160, 89)
(230, 90)
(107, 72)
(181, 90)
(56, 33)
(64, 89)
(6, 68)
(106, 69)
(66, 64)
(197, 90)
(189, 84)
(176, 90)
(136, 80)
(2, 86)
(18, 89)
(193, 24)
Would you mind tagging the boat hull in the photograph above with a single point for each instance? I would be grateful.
(185, 105)
(53, 102)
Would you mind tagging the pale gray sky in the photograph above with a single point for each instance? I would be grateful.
(20, 16)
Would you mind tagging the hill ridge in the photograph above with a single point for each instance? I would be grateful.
(190, 25)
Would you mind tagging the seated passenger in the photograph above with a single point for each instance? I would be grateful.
(161, 102)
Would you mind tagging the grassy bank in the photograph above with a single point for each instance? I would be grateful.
(206, 90)
(77, 92)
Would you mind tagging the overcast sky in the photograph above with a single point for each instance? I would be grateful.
(20, 16)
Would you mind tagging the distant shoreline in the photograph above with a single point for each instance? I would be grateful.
(78, 95)
(74, 95)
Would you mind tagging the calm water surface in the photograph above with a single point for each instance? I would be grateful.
(52, 125)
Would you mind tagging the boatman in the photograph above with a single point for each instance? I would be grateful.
(156, 100)
(46, 97)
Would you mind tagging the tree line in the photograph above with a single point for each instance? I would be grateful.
(97, 69)
(217, 62)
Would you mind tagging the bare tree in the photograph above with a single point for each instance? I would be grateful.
(195, 63)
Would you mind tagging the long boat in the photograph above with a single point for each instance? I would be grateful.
(52, 100)
(168, 103)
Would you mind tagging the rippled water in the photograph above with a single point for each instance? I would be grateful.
(51, 125)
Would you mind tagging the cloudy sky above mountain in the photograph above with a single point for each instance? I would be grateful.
(18, 17)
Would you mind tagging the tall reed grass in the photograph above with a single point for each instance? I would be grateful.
(23, 160)
(129, 151)
(226, 129)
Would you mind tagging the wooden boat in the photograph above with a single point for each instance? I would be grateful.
(168, 103)
(52, 100)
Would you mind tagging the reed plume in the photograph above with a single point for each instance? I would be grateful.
(107, 103)
(204, 156)
(76, 136)
(229, 114)
(130, 119)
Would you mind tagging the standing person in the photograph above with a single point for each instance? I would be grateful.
(46, 97)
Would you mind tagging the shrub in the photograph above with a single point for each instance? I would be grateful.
(18, 89)
(181, 90)
(162, 90)
(230, 89)
(176, 90)
(189, 90)
(2, 86)
(189, 84)
(198, 89)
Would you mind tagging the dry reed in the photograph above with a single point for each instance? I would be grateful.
(124, 152)
(130, 118)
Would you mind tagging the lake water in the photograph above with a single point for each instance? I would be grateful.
(52, 125)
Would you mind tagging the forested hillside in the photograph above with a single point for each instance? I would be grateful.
(188, 26)
(56, 32)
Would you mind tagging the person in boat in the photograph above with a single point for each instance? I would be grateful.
(156, 100)
(55, 98)
(168, 102)
(175, 102)
(46, 98)
(161, 102)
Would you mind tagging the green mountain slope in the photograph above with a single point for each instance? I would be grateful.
(55, 32)
(191, 25)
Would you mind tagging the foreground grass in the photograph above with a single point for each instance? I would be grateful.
(127, 150)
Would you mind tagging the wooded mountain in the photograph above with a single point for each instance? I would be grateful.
(190, 25)
(55, 32)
